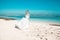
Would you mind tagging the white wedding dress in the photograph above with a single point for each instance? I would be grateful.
(23, 24)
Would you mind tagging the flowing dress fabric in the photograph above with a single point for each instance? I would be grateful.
(23, 24)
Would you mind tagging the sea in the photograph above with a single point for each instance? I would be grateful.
(44, 18)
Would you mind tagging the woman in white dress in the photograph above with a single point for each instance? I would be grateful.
(23, 24)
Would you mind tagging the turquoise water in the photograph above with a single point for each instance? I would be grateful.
(36, 18)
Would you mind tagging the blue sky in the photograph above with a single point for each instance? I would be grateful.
(35, 5)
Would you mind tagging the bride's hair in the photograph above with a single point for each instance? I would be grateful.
(27, 12)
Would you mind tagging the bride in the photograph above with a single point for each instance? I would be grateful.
(23, 24)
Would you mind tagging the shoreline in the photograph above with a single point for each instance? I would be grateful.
(7, 18)
(55, 23)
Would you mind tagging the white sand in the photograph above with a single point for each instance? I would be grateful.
(36, 31)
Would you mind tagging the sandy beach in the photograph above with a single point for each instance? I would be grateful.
(38, 30)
